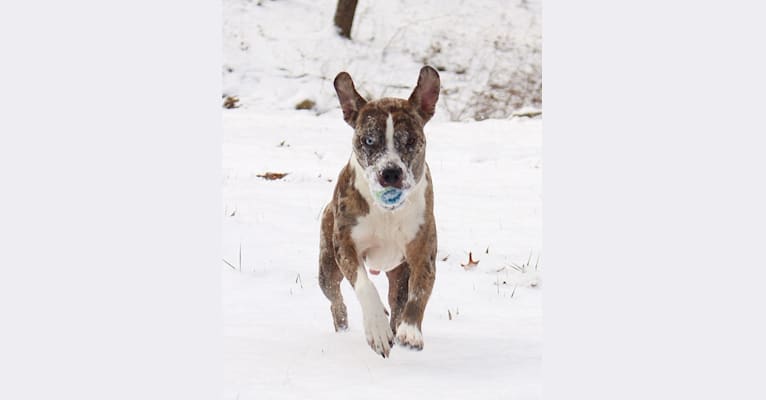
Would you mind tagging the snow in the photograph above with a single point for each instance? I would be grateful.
(279, 53)
(482, 330)
(279, 337)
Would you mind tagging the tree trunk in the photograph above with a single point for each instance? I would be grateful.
(344, 16)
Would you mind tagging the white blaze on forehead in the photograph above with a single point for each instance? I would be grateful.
(390, 156)
(390, 134)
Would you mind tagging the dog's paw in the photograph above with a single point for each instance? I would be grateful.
(378, 332)
(409, 336)
(339, 317)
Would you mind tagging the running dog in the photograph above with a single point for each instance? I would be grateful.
(381, 214)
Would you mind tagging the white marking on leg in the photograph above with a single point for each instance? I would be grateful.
(376, 327)
(409, 335)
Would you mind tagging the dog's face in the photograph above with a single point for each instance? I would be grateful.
(389, 144)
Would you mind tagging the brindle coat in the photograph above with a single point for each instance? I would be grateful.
(341, 255)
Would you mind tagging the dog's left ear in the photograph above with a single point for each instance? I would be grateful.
(426, 93)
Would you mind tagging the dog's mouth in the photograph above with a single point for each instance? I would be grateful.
(389, 197)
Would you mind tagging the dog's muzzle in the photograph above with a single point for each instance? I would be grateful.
(388, 186)
(391, 177)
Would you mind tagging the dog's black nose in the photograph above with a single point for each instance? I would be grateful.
(391, 177)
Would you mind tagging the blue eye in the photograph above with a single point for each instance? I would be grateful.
(368, 140)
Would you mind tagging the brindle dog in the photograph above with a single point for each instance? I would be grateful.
(381, 214)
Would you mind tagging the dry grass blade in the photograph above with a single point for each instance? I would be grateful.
(229, 264)
(518, 267)
(523, 267)
(528, 114)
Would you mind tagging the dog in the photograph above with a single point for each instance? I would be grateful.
(381, 215)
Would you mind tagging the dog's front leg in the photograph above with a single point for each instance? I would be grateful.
(376, 327)
(422, 260)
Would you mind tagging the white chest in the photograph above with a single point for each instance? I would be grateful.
(381, 237)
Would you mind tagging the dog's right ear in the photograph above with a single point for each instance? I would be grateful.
(350, 101)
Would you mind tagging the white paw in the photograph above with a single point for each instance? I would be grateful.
(409, 336)
(378, 332)
(376, 325)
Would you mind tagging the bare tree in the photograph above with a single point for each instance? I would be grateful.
(344, 16)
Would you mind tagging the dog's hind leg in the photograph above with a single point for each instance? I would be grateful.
(330, 274)
(397, 292)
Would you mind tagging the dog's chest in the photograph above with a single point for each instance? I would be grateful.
(381, 237)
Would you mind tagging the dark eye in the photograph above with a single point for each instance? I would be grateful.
(411, 140)
(368, 140)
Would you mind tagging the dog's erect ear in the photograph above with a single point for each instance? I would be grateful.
(350, 101)
(426, 93)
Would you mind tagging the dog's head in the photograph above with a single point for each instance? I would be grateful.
(389, 143)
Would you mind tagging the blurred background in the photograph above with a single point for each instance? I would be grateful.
(284, 54)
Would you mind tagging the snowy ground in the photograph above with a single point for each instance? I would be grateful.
(482, 327)
(279, 338)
